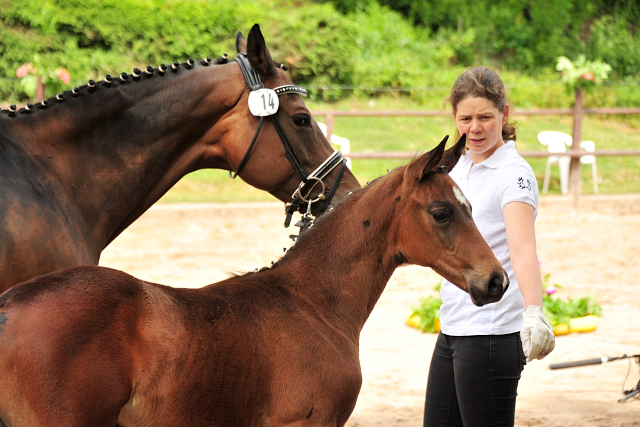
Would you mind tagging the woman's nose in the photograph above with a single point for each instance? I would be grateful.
(475, 126)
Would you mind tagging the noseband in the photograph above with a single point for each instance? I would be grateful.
(264, 103)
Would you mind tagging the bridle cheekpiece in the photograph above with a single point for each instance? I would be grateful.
(265, 102)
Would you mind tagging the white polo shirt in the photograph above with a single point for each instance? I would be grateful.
(503, 178)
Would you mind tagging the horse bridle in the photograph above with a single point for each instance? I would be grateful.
(308, 183)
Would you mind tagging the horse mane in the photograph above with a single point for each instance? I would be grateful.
(334, 214)
(93, 87)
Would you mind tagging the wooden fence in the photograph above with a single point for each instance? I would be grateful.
(331, 115)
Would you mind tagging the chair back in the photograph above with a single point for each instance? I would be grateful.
(588, 146)
(556, 142)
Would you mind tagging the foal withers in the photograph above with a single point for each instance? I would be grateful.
(91, 346)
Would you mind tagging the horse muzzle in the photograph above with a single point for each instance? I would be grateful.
(491, 290)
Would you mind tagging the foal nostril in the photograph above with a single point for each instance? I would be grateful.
(496, 284)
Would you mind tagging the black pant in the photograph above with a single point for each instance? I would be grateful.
(473, 381)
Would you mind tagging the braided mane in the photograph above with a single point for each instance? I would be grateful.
(110, 81)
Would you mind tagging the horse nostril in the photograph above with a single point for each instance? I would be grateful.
(496, 285)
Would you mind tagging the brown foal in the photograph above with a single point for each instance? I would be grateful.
(92, 346)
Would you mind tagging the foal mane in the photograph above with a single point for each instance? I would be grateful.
(345, 211)
(123, 80)
(391, 181)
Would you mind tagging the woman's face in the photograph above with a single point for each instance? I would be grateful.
(482, 122)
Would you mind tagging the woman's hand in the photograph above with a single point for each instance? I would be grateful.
(536, 334)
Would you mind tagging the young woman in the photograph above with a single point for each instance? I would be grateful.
(481, 351)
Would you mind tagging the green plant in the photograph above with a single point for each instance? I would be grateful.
(428, 311)
(55, 79)
(582, 73)
(559, 311)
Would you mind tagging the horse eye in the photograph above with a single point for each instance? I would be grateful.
(441, 216)
(301, 120)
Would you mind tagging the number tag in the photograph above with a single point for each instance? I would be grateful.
(263, 102)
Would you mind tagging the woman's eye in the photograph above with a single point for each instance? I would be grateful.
(301, 120)
(440, 216)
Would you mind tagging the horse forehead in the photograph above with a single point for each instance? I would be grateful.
(461, 198)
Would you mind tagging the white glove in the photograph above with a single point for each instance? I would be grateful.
(536, 334)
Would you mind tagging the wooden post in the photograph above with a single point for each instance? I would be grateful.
(39, 91)
(574, 168)
(328, 119)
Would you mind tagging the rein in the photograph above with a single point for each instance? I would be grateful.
(264, 103)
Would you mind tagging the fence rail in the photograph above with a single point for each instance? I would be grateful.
(330, 116)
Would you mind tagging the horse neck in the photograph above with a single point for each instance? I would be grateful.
(116, 151)
(345, 261)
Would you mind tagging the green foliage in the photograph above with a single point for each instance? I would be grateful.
(339, 48)
(317, 43)
(559, 311)
(582, 73)
(428, 310)
(392, 54)
(92, 38)
(556, 310)
(519, 34)
(525, 35)
(614, 42)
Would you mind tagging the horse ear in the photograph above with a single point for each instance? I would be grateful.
(241, 43)
(419, 169)
(258, 54)
(451, 156)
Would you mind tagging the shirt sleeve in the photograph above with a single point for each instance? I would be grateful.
(519, 184)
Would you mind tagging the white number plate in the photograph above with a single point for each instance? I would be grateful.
(263, 102)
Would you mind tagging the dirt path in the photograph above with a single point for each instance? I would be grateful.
(595, 250)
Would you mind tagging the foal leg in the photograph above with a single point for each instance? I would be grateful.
(44, 396)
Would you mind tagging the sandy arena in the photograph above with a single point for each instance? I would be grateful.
(594, 250)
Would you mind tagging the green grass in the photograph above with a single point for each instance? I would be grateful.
(419, 134)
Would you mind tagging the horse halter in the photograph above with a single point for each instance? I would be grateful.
(265, 102)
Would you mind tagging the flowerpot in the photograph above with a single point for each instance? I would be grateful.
(413, 321)
(561, 329)
(583, 324)
(577, 324)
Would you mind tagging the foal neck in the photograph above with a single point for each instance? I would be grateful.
(345, 260)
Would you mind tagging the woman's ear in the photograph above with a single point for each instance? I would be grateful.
(505, 114)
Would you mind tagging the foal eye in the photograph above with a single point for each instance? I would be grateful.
(441, 216)
(301, 120)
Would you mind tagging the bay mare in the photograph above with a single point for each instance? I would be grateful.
(78, 169)
(93, 346)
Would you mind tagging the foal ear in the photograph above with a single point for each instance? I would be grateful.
(451, 156)
(418, 170)
(241, 43)
(258, 54)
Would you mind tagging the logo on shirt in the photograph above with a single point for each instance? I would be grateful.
(524, 185)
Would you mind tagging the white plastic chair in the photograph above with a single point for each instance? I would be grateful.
(557, 142)
(343, 143)
(590, 159)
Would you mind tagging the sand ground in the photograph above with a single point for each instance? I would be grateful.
(595, 249)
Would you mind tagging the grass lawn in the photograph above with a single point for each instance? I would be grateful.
(616, 175)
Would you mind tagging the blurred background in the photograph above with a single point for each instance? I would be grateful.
(358, 55)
